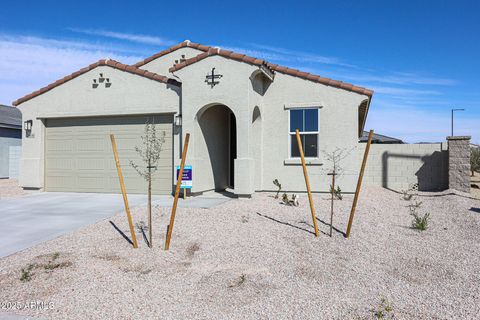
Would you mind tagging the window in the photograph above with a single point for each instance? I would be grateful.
(306, 121)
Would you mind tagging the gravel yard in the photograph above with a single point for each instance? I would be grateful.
(9, 189)
(258, 259)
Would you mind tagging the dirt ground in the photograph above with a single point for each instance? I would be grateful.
(258, 259)
(9, 189)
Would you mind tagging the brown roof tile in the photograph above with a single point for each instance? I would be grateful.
(210, 51)
(110, 63)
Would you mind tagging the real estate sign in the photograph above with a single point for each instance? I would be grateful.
(186, 177)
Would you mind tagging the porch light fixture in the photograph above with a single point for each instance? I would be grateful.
(27, 125)
(178, 120)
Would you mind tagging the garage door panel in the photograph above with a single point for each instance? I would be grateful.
(79, 155)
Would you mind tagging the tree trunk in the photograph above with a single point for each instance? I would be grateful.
(331, 208)
(149, 206)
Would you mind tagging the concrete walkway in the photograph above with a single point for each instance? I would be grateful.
(42, 216)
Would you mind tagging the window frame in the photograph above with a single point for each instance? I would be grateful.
(303, 132)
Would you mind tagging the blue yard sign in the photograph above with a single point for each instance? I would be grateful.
(186, 177)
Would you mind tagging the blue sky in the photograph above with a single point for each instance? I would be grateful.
(421, 57)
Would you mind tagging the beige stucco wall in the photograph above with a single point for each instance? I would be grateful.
(338, 125)
(400, 166)
(128, 94)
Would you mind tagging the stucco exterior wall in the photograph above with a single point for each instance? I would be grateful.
(128, 94)
(262, 145)
(232, 91)
(401, 166)
(338, 128)
(165, 62)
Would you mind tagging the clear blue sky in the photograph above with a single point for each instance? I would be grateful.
(421, 57)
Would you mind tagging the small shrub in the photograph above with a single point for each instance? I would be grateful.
(26, 273)
(241, 280)
(279, 186)
(290, 202)
(337, 193)
(419, 222)
(384, 310)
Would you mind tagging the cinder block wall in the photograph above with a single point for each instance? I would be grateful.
(459, 163)
(401, 166)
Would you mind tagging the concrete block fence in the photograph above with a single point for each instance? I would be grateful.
(426, 167)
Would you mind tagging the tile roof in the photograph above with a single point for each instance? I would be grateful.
(10, 117)
(211, 51)
(183, 44)
(104, 62)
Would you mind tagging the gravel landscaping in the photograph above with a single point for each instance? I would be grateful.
(9, 189)
(258, 259)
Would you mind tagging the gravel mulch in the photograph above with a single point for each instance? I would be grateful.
(9, 189)
(258, 259)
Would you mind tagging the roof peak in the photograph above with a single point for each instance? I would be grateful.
(102, 62)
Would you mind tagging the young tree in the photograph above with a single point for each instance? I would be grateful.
(474, 160)
(149, 151)
(335, 158)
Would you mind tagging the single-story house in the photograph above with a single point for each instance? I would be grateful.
(241, 112)
(10, 135)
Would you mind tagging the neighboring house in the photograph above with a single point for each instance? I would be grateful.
(379, 138)
(241, 112)
(10, 135)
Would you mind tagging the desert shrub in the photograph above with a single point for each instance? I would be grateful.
(384, 310)
(279, 186)
(337, 192)
(26, 273)
(420, 221)
(290, 202)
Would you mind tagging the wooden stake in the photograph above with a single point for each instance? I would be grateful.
(177, 191)
(124, 194)
(305, 174)
(359, 184)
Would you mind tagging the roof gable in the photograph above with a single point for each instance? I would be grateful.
(183, 44)
(104, 62)
(210, 51)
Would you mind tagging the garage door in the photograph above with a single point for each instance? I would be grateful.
(79, 158)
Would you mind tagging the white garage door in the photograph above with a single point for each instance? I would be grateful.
(79, 157)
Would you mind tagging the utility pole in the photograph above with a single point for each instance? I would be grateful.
(452, 116)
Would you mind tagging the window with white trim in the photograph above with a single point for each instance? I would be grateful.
(306, 121)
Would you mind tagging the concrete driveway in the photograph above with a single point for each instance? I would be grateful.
(36, 218)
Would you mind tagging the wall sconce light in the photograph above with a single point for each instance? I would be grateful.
(27, 125)
(178, 120)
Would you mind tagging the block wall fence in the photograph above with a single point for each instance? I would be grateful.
(428, 167)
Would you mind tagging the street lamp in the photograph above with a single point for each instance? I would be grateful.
(452, 116)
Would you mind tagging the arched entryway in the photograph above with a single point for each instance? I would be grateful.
(216, 145)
